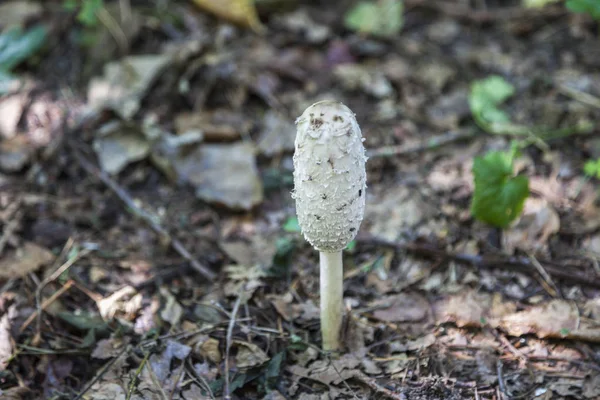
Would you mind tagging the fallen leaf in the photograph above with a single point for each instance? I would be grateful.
(249, 355)
(20, 262)
(161, 363)
(364, 77)
(241, 12)
(591, 387)
(257, 250)
(555, 319)
(107, 391)
(108, 348)
(125, 82)
(404, 307)
(172, 310)
(210, 349)
(538, 222)
(219, 125)
(395, 209)
(223, 174)
(469, 308)
(302, 25)
(118, 145)
(277, 134)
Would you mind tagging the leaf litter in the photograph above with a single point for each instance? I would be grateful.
(439, 305)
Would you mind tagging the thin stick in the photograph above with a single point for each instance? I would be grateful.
(518, 263)
(45, 304)
(234, 312)
(332, 292)
(432, 143)
(147, 217)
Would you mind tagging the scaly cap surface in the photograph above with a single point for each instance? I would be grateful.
(329, 175)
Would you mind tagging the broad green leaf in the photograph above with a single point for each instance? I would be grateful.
(378, 18)
(88, 13)
(486, 95)
(591, 7)
(499, 196)
(17, 46)
(592, 168)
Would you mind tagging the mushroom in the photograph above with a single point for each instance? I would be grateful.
(329, 189)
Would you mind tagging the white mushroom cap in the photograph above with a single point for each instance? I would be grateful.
(329, 175)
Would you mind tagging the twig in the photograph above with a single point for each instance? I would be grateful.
(55, 275)
(550, 286)
(135, 377)
(432, 143)
(147, 217)
(45, 304)
(199, 379)
(100, 374)
(515, 263)
(234, 312)
(580, 96)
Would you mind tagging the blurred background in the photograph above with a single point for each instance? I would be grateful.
(149, 247)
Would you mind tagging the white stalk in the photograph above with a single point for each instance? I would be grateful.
(330, 182)
(332, 290)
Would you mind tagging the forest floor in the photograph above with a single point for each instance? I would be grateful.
(149, 247)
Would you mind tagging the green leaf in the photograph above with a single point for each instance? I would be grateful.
(272, 372)
(499, 196)
(291, 225)
(485, 97)
(381, 18)
(592, 168)
(17, 46)
(88, 13)
(591, 7)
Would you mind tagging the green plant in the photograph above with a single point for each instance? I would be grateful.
(17, 46)
(379, 18)
(484, 100)
(592, 168)
(88, 9)
(591, 7)
(499, 195)
(329, 188)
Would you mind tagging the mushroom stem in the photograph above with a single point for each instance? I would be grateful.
(332, 289)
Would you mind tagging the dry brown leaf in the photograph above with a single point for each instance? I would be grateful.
(249, 355)
(20, 262)
(406, 307)
(469, 308)
(538, 222)
(556, 319)
(241, 12)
